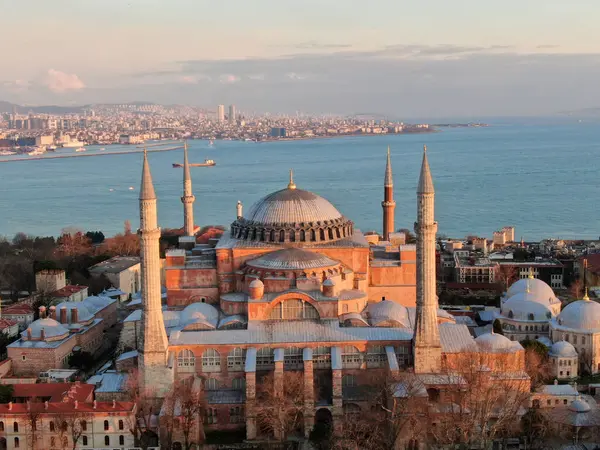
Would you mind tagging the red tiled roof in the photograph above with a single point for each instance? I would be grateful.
(57, 392)
(18, 308)
(62, 407)
(68, 290)
(6, 323)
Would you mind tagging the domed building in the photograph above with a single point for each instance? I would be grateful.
(527, 308)
(579, 324)
(564, 360)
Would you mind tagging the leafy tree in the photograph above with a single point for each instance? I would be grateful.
(6, 393)
(497, 327)
(81, 360)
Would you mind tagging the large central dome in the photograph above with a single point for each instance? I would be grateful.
(292, 216)
(292, 206)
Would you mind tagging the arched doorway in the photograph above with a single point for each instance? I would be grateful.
(321, 432)
(2, 443)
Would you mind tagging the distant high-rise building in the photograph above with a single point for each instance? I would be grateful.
(231, 113)
(221, 113)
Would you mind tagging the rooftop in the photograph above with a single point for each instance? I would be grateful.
(116, 264)
(68, 290)
(54, 392)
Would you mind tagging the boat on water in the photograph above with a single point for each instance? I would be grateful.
(80, 149)
(7, 153)
(51, 148)
(206, 163)
(102, 148)
(37, 151)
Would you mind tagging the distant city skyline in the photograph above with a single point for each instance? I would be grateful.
(414, 60)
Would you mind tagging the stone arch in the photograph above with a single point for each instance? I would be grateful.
(292, 236)
(293, 296)
(282, 236)
(302, 236)
(272, 236)
(321, 234)
(313, 235)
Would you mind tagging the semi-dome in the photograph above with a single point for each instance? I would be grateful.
(580, 406)
(52, 329)
(291, 216)
(292, 259)
(563, 349)
(496, 343)
(200, 312)
(580, 315)
(536, 287)
(525, 306)
(387, 311)
(256, 283)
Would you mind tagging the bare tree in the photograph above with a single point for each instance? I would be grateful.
(506, 275)
(34, 411)
(190, 408)
(279, 408)
(576, 289)
(141, 425)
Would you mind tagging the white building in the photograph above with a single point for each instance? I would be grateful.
(221, 113)
(122, 271)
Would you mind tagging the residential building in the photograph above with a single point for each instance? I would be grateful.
(122, 271)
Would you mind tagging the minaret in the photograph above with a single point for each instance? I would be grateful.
(188, 197)
(154, 376)
(427, 348)
(388, 204)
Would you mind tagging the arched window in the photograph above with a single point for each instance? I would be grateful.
(531, 316)
(322, 234)
(292, 358)
(211, 384)
(265, 358)
(1, 425)
(351, 357)
(302, 236)
(322, 358)
(236, 359)
(292, 236)
(351, 411)
(582, 340)
(106, 425)
(511, 315)
(330, 234)
(17, 442)
(211, 361)
(282, 236)
(272, 236)
(121, 440)
(52, 426)
(84, 440)
(106, 440)
(121, 425)
(186, 361)
(239, 384)
(83, 425)
(376, 356)
(313, 236)
(293, 309)
(15, 427)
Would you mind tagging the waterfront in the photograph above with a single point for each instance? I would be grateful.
(542, 178)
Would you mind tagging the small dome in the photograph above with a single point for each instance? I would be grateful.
(580, 315)
(96, 303)
(51, 328)
(256, 283)
(541, 292)
(292, 259)
(328, 282)
(525, 306)
(496, 343)
(83, 314)
(200, 312)
(580, 406)
(563, 349)
(387, 310)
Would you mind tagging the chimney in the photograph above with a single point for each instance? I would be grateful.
(114, 403)
(28, 334)
(53, 312)
(76, 404)
(95, 404)
(63, 315)
(46, 404)
(28, 405)
(74, 315)
(42, 335)
(42, 310)
(10, 406)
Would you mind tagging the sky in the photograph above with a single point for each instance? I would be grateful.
(428, 58)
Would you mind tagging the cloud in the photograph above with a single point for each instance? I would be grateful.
(229, 79)
(314, 45)
(60, 82)
(193, 79)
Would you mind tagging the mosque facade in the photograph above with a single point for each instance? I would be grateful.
(293, 286)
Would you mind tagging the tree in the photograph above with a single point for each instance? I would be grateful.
(410, 236)
(141, 426)
(506, 275)
(34, 411)
(537, 363)
(6, 392)
(279, 405)
(576, 289)
(191, 406)
(70, 425)
(81, 360)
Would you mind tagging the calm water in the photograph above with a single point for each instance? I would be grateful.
(542, 178)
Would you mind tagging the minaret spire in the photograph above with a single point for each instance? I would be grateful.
(427, 348)
(291, 184)
(154, 375)
(388, 204)
(188, 197)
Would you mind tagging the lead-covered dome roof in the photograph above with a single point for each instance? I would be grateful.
(292, 259)
(539, 290)
(290, 216)
(52, 329)
(580, 315)
(497, 343)
(563, 349)
(526, 306)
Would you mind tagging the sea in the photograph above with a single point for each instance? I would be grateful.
(539, 175)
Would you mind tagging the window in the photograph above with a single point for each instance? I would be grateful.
(236, 415)
(121, 440)
(106, 425)
(531, 316)
(574, 339)
(52, 441)
(239, 384)
(376, 356)
(322, 358)
(106, 440)
(211, 384)
(582, 340)
(17, 443)
(15, 427)
(121, 425)
(211, 416)
(236, 359)
(565, 401)
(549, 402)
(294, 309)
(292, 358)
(51, 426)
(186, 361)
(83, 425)
(351, 357)
(84, 440)
(348, 381)
(211, 361)
(265, 358)
(23, 358)
(352, 411)
(1, 426)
